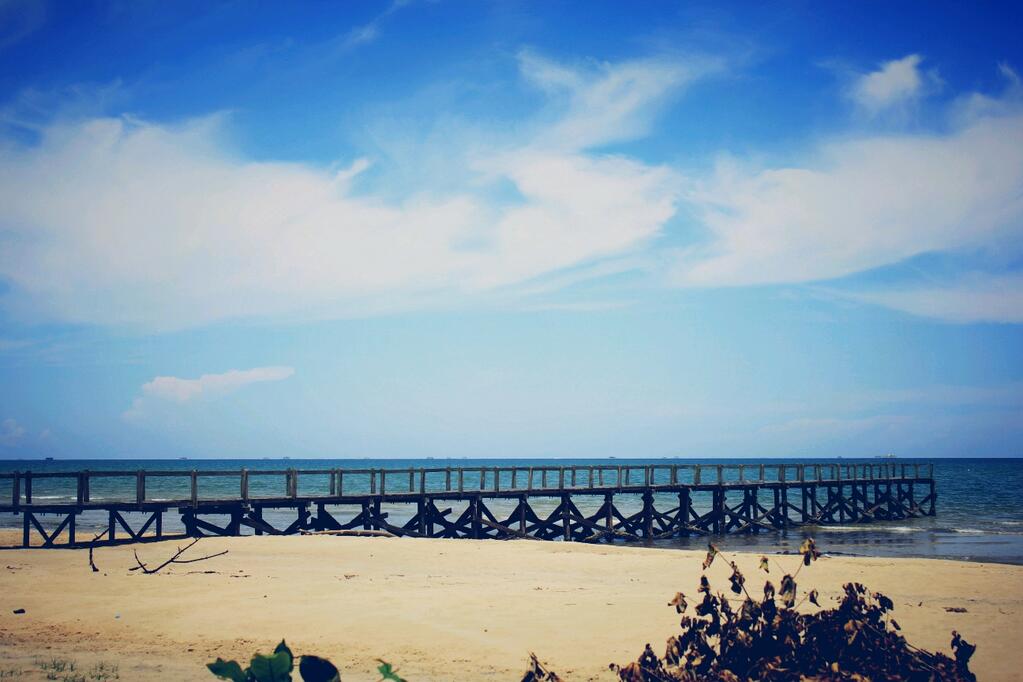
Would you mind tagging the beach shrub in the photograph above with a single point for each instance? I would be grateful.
(276, 667)
(762, 639)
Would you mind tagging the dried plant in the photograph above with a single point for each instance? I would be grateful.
(763, 639)
(538, 673)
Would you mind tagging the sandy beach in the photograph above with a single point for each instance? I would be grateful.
(437, 609)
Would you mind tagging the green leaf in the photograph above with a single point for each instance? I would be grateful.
(388, 672)
(227, 670)
(282, 647)
(316, 669)
(274, 668)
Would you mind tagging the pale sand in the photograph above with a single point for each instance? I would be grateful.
(438, 609)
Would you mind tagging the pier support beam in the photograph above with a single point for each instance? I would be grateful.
(729, 502)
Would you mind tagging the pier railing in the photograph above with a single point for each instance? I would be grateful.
(185, 487)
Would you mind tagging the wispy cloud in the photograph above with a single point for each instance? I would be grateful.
(11, 432)
(866, 201)
(128, 222)
(370, 31)
(183, 390)
(969, 299)
(575, 306)
(894, 84)
(601, 103)
(34, 110)
(19, 19)
(118, 221)
(178, 390)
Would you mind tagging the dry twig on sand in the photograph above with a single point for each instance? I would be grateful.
(92, 545)
(174, 559)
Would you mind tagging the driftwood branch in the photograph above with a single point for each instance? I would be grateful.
(173, 560)
(355, 532)
(92, 545)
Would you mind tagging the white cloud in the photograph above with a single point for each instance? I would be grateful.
(117, 221)
(607, 103)
(893, 85)
(859, 203)
(577, 209)
(976, 298)
(182, 390)
(369, 32)
(120, 221)
(361, 35)
(177, 390)
(576, 306)
(11, 432)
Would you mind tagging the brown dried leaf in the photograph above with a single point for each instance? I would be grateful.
(708, 606)
(673, 653)
(788, 591)
(765, 565)
(884, 602)
(679, 602)
(712, 552)
(851, 628)
(963, 650)
(648, 659)
(631, 673)
(736, 579)
(809, 551)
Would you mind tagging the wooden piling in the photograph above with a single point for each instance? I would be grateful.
(747, 498)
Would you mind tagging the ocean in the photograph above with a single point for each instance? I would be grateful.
(979, 515)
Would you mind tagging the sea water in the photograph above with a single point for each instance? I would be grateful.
(979, 514)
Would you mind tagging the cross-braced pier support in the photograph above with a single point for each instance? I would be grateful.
(586, 504)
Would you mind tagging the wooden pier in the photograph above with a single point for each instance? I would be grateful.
(571, 503)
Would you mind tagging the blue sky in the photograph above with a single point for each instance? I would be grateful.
(406, 229)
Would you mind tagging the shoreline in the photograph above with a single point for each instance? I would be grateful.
(439, 609)
(777, 543)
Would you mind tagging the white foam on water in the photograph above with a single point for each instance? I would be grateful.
(871, 528)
